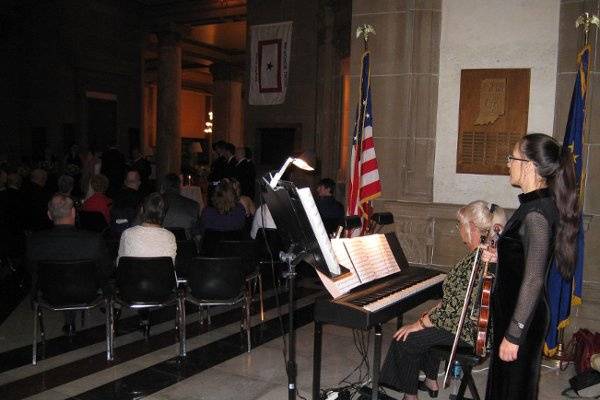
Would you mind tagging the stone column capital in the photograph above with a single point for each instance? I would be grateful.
(226, 72)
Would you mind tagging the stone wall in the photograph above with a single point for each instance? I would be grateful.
(404, 84)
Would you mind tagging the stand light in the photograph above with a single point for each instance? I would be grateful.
(298, 162)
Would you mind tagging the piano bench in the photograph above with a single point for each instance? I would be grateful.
(467, 359)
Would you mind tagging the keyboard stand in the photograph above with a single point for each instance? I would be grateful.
(317, 353)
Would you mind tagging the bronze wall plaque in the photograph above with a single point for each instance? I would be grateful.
(494, 107)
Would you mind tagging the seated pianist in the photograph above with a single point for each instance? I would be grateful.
(409, 351)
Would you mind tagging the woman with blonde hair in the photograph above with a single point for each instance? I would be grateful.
(224, 211)
(409, 352)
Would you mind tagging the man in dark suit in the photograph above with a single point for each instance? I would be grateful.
(65, 242)
(245, 171)
(126, 203)
(229, 155)
(113, 167)
(181, 211)
(217, 168)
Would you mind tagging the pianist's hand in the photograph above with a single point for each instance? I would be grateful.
(402, 333)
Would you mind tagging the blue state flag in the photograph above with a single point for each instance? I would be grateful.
(564, 293)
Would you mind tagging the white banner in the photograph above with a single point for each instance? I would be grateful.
(270, 55)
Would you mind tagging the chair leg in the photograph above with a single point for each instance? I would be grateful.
(472, 387)
(260, 294)
(248, 322)
(181, 317)
(40, 315)
(35, 332)
(109, 330)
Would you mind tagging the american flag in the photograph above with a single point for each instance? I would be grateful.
(364, 183)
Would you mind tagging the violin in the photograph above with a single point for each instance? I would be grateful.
(487, 284)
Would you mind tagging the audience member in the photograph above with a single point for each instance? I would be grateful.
(13, 215)
(66, 183)
(65, 242)
(37, 201)
(91, 165)
(245, 201)
(126, 203)
(331, 210)
(181, 211)
(149, 239)
(217, 168)
(224, 213)
(114, 168)
(98, 202)
(245, 171)
(230, 161)
(143, 167)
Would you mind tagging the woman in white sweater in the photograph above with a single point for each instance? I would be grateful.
(149, 239)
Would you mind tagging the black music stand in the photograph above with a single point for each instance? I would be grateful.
(293, 225)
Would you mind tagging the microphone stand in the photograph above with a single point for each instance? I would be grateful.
(291, 259)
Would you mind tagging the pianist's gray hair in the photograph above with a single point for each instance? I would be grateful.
(478, 212)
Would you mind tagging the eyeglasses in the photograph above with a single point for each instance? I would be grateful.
(510, 158)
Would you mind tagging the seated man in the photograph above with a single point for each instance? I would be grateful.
(331, 210)
(65, 242)
(181, 211)
(126, 203)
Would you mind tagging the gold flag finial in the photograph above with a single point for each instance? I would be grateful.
(364, 31)
(586, 20)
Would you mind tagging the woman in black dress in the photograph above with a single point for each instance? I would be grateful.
(544, 226)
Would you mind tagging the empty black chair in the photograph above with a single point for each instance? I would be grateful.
(246, 250)
(186, 252)
(92, 221)
(180, 233)
(467, 359)
(210, 238)
(217, 281)
(66, 286)
(149, 282)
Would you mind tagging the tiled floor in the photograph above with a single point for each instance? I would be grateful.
(217, 367)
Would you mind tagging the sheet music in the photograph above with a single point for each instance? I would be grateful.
(372, 257)
(312, 212)
(367, 257)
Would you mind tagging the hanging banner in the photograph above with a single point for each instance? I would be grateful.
(270, 51)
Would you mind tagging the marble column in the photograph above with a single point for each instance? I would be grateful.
(227, 104)
(168, 136)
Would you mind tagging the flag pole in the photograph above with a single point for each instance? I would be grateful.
(585, 20)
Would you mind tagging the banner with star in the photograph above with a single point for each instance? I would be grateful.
(564, 293)
(270, 51)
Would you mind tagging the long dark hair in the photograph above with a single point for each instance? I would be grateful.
(557, 167)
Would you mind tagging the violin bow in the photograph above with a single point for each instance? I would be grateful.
(463, 314)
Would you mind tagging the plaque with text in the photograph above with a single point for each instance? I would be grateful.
(494, 107)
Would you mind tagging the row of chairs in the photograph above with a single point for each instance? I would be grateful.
(145, 283)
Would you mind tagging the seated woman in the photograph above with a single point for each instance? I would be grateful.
(149, 239)
(224, 212)
(409, 352)
(98, 202)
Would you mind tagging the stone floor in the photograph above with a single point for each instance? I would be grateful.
(217, 366)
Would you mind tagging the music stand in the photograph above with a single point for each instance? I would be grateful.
(294, 226)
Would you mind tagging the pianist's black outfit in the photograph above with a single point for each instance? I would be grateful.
(405, 359)
(519, 307)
